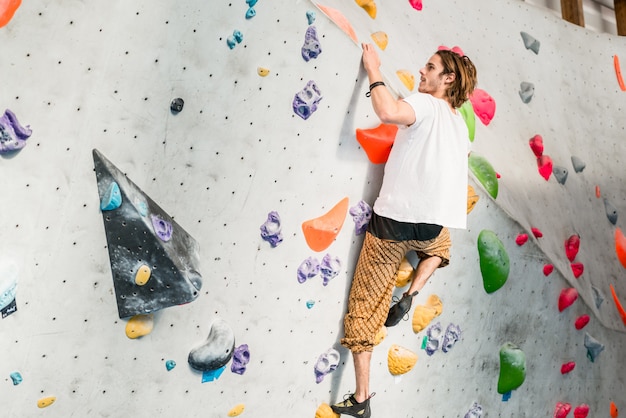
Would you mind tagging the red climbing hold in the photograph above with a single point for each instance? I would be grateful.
(620, 246)
(416, 4)
(572, 244)
(577, 269)
(581, 411)
(547, 269)
(521, 239)
(377, 142)
(581, 321)
(536, 232)
(562, 409)
(484, 105)
(544, 164)
(567, 297)
(567, 367)
(536, 144)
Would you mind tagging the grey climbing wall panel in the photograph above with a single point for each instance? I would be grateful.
(103, 76)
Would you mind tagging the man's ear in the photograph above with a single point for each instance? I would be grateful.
(450, 77)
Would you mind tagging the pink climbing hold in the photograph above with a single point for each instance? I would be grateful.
(567, 367)
(484, 105)
(498, 175)
(577, 269)
(567, 297)
(416, 4)
(562, 409)
(536, 232)
(544, 164)
(581, 321)
(521, 239)
(536, 144)
(581, 411)
(547, 269)
(456, 49)
(572, 244)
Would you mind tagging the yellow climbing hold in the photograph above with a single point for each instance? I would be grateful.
(381, 39)
(139, 325)
(369, 6)
(45, 402)
(423, 314)
(407, 78)
(472, 198)
(262, 71)
(143, 275)
(400, 360)
(324, 411)
(236, 410)
(404, 273)
(380, 335)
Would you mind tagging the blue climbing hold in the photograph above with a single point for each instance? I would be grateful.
(16, 377)
(310, 303)
(310, 16)
(250, 13)
(230, 41)
(251, 3)
(211, 375)
(238, 36)
(112, 199)
(170, 364)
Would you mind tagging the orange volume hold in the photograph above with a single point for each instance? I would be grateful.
(618, 73)
(320, 232)
(377, 142)
(7, 10)
(618, 305)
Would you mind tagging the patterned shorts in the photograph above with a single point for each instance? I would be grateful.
(374, 281)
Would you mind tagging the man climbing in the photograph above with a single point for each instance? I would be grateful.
(424, 192)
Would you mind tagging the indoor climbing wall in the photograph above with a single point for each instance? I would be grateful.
(184, 196)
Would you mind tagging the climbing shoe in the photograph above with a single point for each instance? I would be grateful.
(351, 407)
(399, 310)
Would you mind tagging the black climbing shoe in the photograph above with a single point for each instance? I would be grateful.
(350, 406)
(399, 310)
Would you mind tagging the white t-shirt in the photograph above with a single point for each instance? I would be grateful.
(426, 174)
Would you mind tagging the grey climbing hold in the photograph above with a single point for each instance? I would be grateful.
(177, 105)
(579, 165)
(593, 346)
(530, 42)
(611, 212)
(527, 90)
(311, 47)
(132, 242)
(597, 296)
(216, 350)
(560, 173)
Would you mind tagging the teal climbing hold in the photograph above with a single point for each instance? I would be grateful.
(170, 364)
(484, 173)
(512, 368)
(494, 261)
(112, 199)
(467, 111)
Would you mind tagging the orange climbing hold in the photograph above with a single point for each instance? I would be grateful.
(618, 73)
(377, 142)
(472, 198)
(620, 246)
(618, 305)
(614, 411)
(598, 192)
(7, 10)
(320, 232)
(340, 20)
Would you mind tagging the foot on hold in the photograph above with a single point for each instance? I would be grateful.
(399, 310)
(351, 407)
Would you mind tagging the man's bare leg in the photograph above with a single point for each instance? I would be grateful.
(425, 268)
(362, 372)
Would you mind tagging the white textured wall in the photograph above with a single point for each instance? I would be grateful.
(102, 75)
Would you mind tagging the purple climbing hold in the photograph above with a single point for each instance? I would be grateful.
(311, 47)
(162, 228)
(13, 136)
(433, 338)
(241, 357)
(361, 215)
(476, 411)
(326, 363)
(329, 268)
(305, 101)
(308, 269)
(451, 336)
(271, 229)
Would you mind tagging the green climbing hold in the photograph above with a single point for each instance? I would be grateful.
(485, 173)
(512, 368)
(467, 111)
(494, 261)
